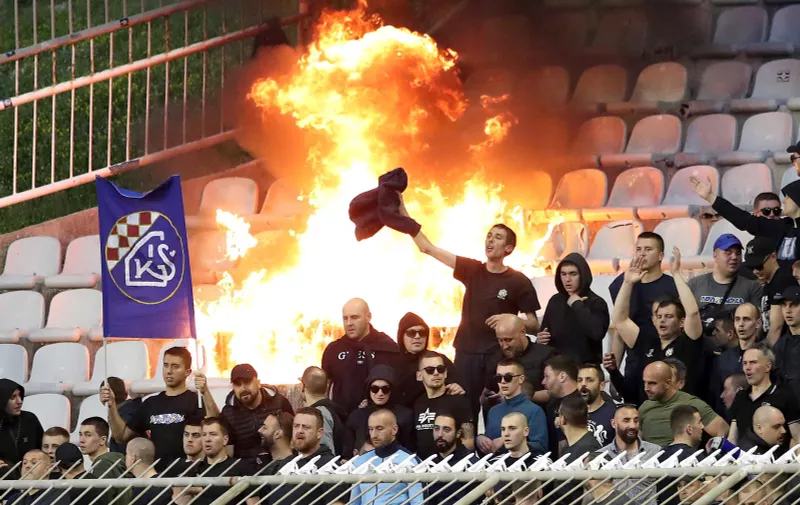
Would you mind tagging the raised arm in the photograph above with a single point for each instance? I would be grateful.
(119, 430)
(426, 246)
(693, 324)
(627, 329)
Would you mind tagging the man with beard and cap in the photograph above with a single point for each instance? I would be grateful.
(447, 434)
(687, 432)
(337, 437)
(276, 439)
(576, 320)
(787, 349)
(591, 382)
(20, 431)
(349, 359)
(70, 462)
(762, 258)
(380, 390)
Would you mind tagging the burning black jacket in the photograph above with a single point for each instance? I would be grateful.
(380, 207)
(577, 331)
(244, 423)
(18, 434)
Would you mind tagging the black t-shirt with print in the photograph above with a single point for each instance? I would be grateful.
(687, 351)
(488, 294)
(229, 467)
(780, 397)
(425, 411)
(164, 418)
(600, 423)
(782, 279)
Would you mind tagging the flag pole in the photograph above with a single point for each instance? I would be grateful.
(201, 357)
(105, 367)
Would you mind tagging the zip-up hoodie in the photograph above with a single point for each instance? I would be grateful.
(18, 434)
(244, 423)
(389, 493)
(577, 331)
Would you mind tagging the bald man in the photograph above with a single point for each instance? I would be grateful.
(35, 466)
(663, 396)
(769, 429)
(348, 360)
(515, 344)
(314, 389)
(140, 455)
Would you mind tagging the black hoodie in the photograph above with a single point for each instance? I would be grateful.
(357, 422)
(244, 423)
(348, 362)
(18, 434)
(577, 331)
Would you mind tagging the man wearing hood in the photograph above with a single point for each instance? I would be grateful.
(576, 319)
(20, 431)
(348, 360)
(336, 436)
(380, 391)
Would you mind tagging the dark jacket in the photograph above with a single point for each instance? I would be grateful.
(787, 358)
(306, 494)
(750, 440)
(448, 493)
(18, 434)
(577, 331)
(358, 419)
(380, 207)
(342, 436)
(244, 423)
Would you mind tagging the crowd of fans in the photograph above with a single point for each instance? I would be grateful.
(707, 365)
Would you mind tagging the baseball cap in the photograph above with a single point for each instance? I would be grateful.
(792, 294)
(243, 372)
(794, 148)
(68, 455)
(726, 241)
(757, 251)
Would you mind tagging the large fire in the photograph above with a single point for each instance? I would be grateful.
(367, 96)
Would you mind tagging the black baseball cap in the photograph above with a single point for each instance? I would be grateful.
(792, 294)
(794, 148)
(68, 455)
(758, 250)
(243, 372)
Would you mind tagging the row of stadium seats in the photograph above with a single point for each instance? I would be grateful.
(33, 261)
(73, 314)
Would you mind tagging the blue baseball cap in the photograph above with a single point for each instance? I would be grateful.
(727, 241)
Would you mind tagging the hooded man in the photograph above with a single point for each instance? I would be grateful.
(576, 319)
(20, 431)
(380, 390)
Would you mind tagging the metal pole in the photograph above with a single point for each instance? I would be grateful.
(479, 491)
(723, 486)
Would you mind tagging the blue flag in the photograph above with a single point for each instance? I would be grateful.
(147, 283)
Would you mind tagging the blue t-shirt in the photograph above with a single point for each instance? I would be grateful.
(537, 421)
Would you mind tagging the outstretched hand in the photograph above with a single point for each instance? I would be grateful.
(675, 263)
(703, 188)
(635, 272)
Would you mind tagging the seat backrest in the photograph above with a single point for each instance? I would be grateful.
(741, 185)
(623, 31)
(565, 30)
(283, 199)
(784, 28)
(666, 82)
(23, 310)
(714, 133)
(545, 85)
(601, 84)
(741, 25)
(33, 256)
(769, 131)
(565, 238)
(722, 227)
(83, 256)
(92, 407)
(127, 360)
(615, 239)
(586, 187)
(637, 187)
(545, 289)
(778, 79)
(600, 135)
(238, 195)
(680, 190)
(76, 308)
(51, 410)
(63, 362)
(656, 134)
(600, 287)
(684, 233)
(789, 176)
(14, 363)
(725, 80)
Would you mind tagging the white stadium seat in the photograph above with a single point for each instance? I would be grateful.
(156, 384)
(58, 367)
(238, 195)
(207, 256)
(545, 288)
(282, 207)
(72, 315)
(789, 176)
(705, 259)
(127, 360)
(577, 190)
(20, 312)
(81, 266)
(684, 233)
(763, 136)
(29, 261)
(52, 410)
(90, 407)
(613, 242)
(741, 185)
(637, 187)
(14, 363)
(566, 238)
(653, 139)
(681, 200)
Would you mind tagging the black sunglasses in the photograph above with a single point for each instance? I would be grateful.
(411, 333)
(508, 377)
(430, 369)
(383, 389)
(769, 211)
(794, 157)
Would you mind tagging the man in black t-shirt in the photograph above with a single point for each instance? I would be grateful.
(591, 383)
(140, 454)
(433, 374)
(560, 380)
(687, 432)
(761, 258)
(492, 289)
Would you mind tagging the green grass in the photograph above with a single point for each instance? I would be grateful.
(108, 141)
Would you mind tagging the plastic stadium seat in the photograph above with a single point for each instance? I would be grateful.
(576, 190)
(653, 139)
(684, 233)
(566, 238)
(736, 28)
(220, 395)
(706, 257)
(506, 39)
(14, 363)
(620, 32)
(238, 195)
(600, 285)
(762, 135)
(81, 266)
(90, 407)
(29, 261)
(681, 200)
(741, 184)
(51, 409)
(207, 256)
(706, 137)
(637, 187)
(598, 86)
(660, 86)
(156, 384)
(597, 137)
(20, 312)
(776, 83)
(127, 360)
(545, 289)
(58, 367)
(545, 86)
(567, 31)
(613, 242)
(783, 36)
(789, 176)
(73, 314)
(720, 83)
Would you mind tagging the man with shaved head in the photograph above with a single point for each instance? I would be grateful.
(314, 389)
(663, 397)
(140, 455)
(746, 324)
(36, 466)
(769, 430)
(348, 360)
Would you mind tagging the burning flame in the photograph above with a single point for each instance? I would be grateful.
(367, 96)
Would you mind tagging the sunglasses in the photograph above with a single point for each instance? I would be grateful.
(380, 389)
(794, 157)
(505, 377)
(430, 369)
(769, 211)
(411, 333)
